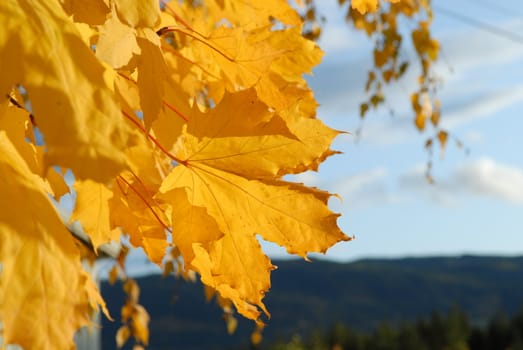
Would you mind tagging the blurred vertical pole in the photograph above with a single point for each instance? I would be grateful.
(90, 337)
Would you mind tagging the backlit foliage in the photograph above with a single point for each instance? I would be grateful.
(179, 122)
(382, 24)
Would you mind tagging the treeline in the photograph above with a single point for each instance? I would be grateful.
(452, 331)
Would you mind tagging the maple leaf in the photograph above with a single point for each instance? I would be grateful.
(67, 85)
(92, 12)
(36, 247)
(151, 75)
(241, 131)
(237, 55)
(143, 13)
(16, 122)
(117, 42)
(92, 210)
(221, 201)
(133, 209)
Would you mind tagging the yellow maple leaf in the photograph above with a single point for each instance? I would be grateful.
(41, 48)
(116, 43)
(93, 12)
(15, 122)
(92, 210)
(217, 186)
(143, 13)
(238, 55)
(57, 183)
(151, 75)
(133, 209)
(36, 247)
(241, 131)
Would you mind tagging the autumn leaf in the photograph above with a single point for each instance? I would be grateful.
(133, 209)
(16, 122)
(143, 13)
(116, 42)
(241, 131)
(443, 137)
(92, 211)
(238, 56)
(151, 75)
(67, 85)
(36, 247)
(220, 201)
(420, 120)
(92, 12)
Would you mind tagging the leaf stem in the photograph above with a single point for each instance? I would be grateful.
(201, 39)
(129, 185)
(152, 139)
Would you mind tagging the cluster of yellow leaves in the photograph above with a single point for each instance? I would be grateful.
(381, 24)
(179, 124)
(135, 318)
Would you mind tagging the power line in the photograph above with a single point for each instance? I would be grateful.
(481, 25)
(497, 7)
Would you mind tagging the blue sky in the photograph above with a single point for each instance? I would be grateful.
(476, 205)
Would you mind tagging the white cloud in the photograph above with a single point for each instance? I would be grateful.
(487, 178)
(364, 189)
(483, 177)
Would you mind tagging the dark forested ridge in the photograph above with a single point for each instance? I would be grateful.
(313, 296)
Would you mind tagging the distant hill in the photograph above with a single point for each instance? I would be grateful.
(308, 296)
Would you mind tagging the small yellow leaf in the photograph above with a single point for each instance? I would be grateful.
(95, 298)
(256, 337)
(364, 6)
(16, 123)
(151, 75)
(133, 209)
(133, 292)
(57, 183)
(93, 12)
(364, 107)
(122, 335)
(140, 324)
(113, 274)
(232, 323)
(420, 121)
(116, 43)
(143, 13)
(92, 210)
(443, 137)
